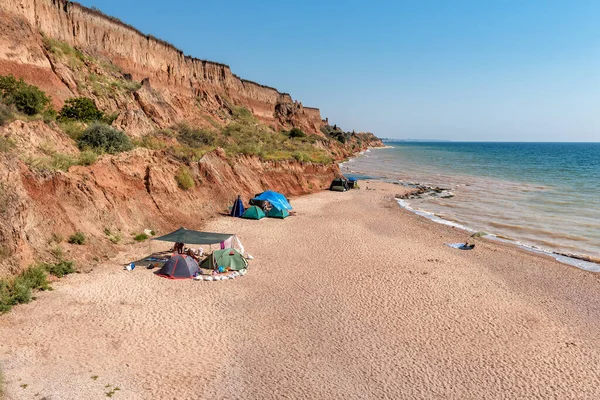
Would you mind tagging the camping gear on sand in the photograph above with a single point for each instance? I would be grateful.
(179, 266)
(461, 246)
(238, 208)
(226, 259)
(254, 212)
(352, 183)
(339, 185)
(278, 213)
(276, 199)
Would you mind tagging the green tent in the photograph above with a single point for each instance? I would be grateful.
(228, 258)
(254, 212)
(275, 212)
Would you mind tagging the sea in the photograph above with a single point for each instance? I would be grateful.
(542, 196)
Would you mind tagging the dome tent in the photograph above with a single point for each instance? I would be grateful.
(254, 212)
(276, 199)
(275, 212)
(179, 266)
(227, 258)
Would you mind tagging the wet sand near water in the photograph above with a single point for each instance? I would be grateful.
(350, 298)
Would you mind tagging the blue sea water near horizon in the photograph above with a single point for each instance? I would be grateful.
(544, 196)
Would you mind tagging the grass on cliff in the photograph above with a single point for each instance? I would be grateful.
(245, 134)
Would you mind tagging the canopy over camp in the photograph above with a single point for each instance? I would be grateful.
(254, 212)
(190, 236)
(226, 258)
(276, 199)
(179, 266)
(275, 212)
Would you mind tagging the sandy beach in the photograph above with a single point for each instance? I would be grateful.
(350, 298)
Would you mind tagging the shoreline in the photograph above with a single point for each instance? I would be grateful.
(581, 261)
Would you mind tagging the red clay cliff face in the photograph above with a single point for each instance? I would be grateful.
(126, 194)
(180, 82)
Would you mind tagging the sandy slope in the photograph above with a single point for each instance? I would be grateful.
(350, 298)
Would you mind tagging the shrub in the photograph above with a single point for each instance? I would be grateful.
(87, 157)
(113, 237)
(52, 162)
(18, 289)
(195, 137)
(104, 139)
(184, 178)
(140, 237)
(74, 129)
(26, 98)
(33, 277)
(61, 269)
(297, 133)
(6, 145)
(6, 115)
(77, 238)
(57, 252)
(80, 109)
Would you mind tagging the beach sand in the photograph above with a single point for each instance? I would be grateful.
(350, 298)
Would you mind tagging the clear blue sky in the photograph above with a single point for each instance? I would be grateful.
(463, 70)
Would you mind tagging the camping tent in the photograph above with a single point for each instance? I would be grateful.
(254, 212)
(278, 213)
(179, 266)
(339, 185)
(227, 258)
(238, 208)
(276, 199)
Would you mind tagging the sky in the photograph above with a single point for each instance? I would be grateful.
(480, 70)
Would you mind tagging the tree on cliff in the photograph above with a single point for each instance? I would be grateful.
(26, 98)
(81, 109)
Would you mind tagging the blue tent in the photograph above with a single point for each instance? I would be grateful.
(276, 199)
(238, 208)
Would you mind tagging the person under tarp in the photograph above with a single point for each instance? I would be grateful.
(190, 236)
(276, 199)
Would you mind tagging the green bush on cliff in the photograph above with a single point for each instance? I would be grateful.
(80, 109)
(77, 238)
(105, 139)
(184, 178)
(26, 98)
(296, 133)
(194, 137)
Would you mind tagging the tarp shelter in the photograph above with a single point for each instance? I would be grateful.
(254, 212)
(238, 208)
(276, 199)
(278, 213)
(226, 258)
(190, 236)
(339, 185)
(179, 266)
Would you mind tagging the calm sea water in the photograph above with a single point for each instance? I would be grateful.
(544, 195)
